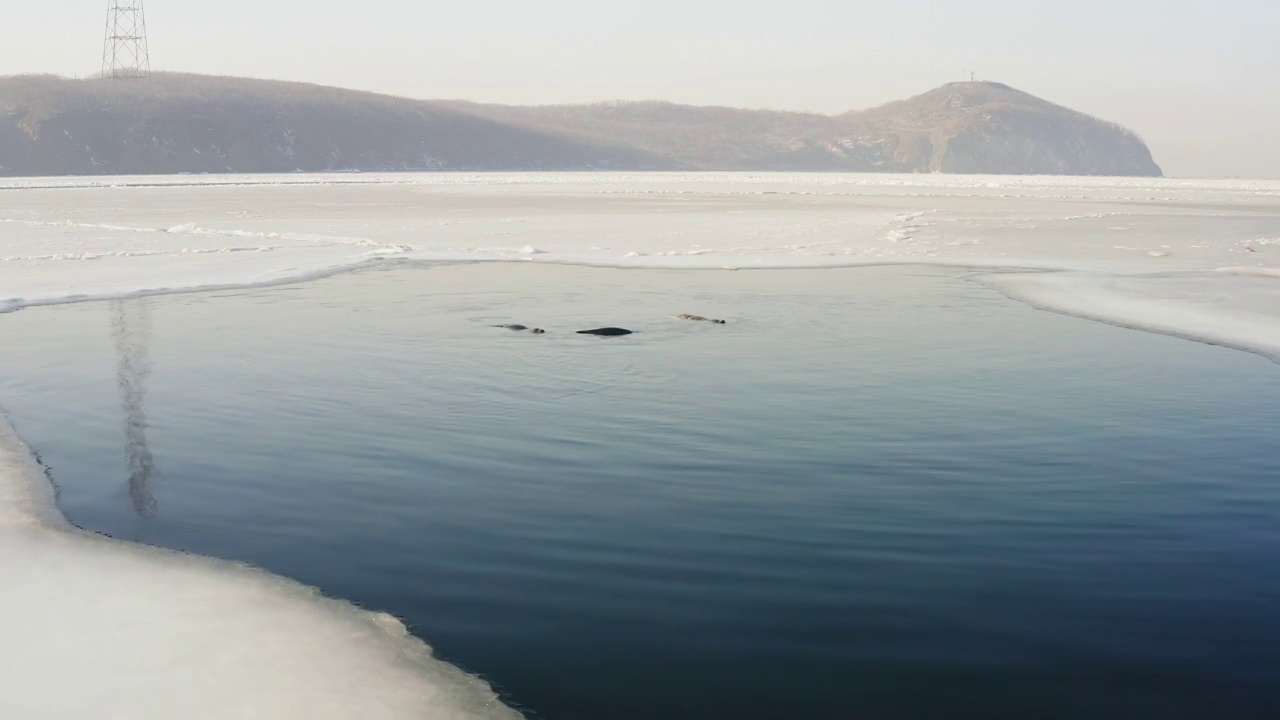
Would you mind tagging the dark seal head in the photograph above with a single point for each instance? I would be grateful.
(699, 318)
(606, 332)
(535, 331)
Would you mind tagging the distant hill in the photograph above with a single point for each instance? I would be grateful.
(958, 128)
(991, 128)
(199, 124)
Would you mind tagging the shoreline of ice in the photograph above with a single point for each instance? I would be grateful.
(65, 240)
(97, 627)
(1227, 308)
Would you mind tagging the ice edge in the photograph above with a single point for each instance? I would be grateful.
(190, 636)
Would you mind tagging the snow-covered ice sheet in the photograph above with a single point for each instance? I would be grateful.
(1233, 308)
(70, 239)
(96, 628)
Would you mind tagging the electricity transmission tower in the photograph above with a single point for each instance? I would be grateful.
(124, 52)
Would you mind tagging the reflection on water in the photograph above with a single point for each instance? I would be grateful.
(882, 493)
(131, 330)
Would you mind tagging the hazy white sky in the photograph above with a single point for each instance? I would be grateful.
(1199, 80)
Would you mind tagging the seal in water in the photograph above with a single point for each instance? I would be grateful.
(535, 331)
(699, 318)
(606, 332)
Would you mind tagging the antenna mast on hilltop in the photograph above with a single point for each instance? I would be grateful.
(124, 52)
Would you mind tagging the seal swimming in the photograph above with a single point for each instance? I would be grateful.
(699, 318)
(535, 331)
(606, 332)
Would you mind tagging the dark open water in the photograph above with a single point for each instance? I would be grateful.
(882, 493)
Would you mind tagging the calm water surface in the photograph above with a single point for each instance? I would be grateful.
(881, 493)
